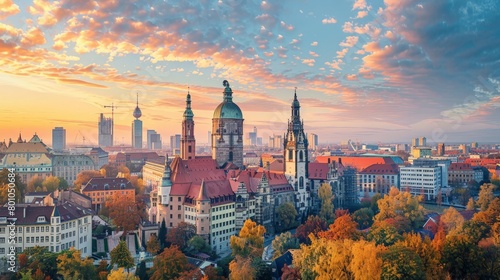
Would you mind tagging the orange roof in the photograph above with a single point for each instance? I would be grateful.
(391, 169)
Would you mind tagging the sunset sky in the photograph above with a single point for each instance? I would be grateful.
(364, 70)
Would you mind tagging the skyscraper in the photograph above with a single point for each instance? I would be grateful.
(137, 127)
(415, 142)
(440, 149)
(153, 139)
(59, 139)
(105, 132)
(175, 144)
(423, 142)
(312, 140)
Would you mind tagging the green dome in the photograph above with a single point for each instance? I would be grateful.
(228, 110)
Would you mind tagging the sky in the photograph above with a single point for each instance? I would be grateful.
(370, 71)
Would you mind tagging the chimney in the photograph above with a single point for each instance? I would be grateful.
(24, 212)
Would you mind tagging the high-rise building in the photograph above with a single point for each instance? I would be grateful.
(188, 142)
(296, 157)
(464, 148)
(227, 130)
(105, 131)
(423, 142)
(474, 145)
(252, 136)
(154, 140)
(415, 142)
(58, 139)
(137, 127)
(312, 140)
(440, 149)
(175, 144)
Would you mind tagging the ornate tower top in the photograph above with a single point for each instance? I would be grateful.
(227, 109)
(137, 111)
(228, 92)
(165, 181)
(188, 113)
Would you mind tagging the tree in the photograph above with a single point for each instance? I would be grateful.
(374, 202)
(314, 225)
(399, 262)
(283, 242)
(287, 214)
(241, 269)
(290, 273)
(491, 214)
(123, 171)
(153, 245)
(141, 272)
(470, 204)
(169, 264)
(71, 266)
(335, 262)
(39, 258)
(343, 228)
(121, 256)
(84, 177)
(35, 182)
(400, 204)
(364, 217)
(452, 221)
(102, 269)
(191, 272)
(212, 273)
(181, 234)
(250, 241)
(51, 183)
(120, 274)
(384, 234)
(476, 230)
(63, 184)
(461, 258)
(197, 244)
(262, 271)
(485, 196)
(366, 263)
(326, 196)
(162, 235)
(123, 211)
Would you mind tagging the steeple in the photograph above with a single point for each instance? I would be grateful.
(137, 111)
(188, 142)
(188, 113)
(20, 139)
(166, 181)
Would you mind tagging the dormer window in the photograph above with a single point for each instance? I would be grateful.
(122, 186)
(106, 186)
(41, 219)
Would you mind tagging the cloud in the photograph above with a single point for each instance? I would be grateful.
(359, 5)
(8, 8)
(308, 62)
(313, 54)
(329, 20)
(362, 14)
(350, 41)
(314, 44)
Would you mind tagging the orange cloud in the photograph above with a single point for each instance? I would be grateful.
(8, 8)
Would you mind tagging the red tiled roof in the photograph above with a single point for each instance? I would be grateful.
(359, 163)
(318, 170)
(460, 166)
(391, 169)
(210, 190)
(99, 184)
(481, 161)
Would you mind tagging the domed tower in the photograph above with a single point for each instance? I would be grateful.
(188, 142)
(137, 127)
(227, 131)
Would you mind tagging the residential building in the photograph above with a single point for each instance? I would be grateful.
(101, 189)
(463, 173)
(68, 166)
(59, 139)
(377, 179)
(421, 180)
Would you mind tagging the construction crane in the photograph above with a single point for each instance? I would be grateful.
(112, 106)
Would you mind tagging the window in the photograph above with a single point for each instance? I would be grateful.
(2, 239)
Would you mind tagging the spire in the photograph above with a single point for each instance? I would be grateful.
(20, 139)
(188, 113)
(228, 92)
(165, 181)
(202, 195)
(137, 111)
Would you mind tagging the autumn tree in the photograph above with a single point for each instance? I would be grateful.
(241, 268)
(84, 177)
(123, 211)
(169, 264)
(384, 234)
(250, 241)
(286, 216)
(121, 274)
(153, 245)
(325, 195)
(283, 242)
(181, 234)
(364, 217)
(36, 182)
(491, 214)
(290, 273)
(102, 269)
(470, 204)
(476, 230)
(399, 262)
(400, 204)
(121, 256)
(109, 171)
(212, 273)
(71, 266)
(51, 183)
(7, 177)
(343, 228)
(314, 225)
(451, 221)
(461, 257)
(485, 196)
(366, 263)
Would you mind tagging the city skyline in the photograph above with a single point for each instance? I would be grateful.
(368, 70)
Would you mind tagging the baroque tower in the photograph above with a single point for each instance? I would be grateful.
(188, 142)
(296, 157)
(227, 131)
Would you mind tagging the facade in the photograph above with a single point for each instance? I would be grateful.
(295, 153)
(227, 131)
(441, 149)
(175, 144)
(68, 166)
(137, 127)
(59, 139)
(418, 152)
(312, 139)
(105, 131)
(188, 142)
(463, 173)
(443, 163)
(100, 189)
(377, 178)
(421, 180)
(57, 227)
(29, 159)
(154, 140)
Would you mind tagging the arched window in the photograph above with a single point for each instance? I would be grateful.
(301, 182)
(301, 156)
(230, 156)
(290, 155)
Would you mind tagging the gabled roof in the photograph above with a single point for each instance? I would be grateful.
(112, 184)
(386, 169)
(318, 170)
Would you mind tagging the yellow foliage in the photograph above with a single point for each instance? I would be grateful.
(120, 274)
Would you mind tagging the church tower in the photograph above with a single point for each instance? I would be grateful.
(188, 143)
(296, 157)
(227, 131)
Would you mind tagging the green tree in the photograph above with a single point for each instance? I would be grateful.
(287, 215)
(181, 234)
(141, 272)
(51, 183)
(198, 245)
(121, 256)
(162, 235)
(461, 257)
(400, 204)
(314, 225)
(283, 242)
(374, 202)
(485, 196)
(325, 194)
(39, 258)
(63, 184)
(250, 241)
(384, 234)
(169, 264)
(364, 217)
(399, 262)
(153, 245)
(71, 266)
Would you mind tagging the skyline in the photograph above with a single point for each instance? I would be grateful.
(368, 70)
